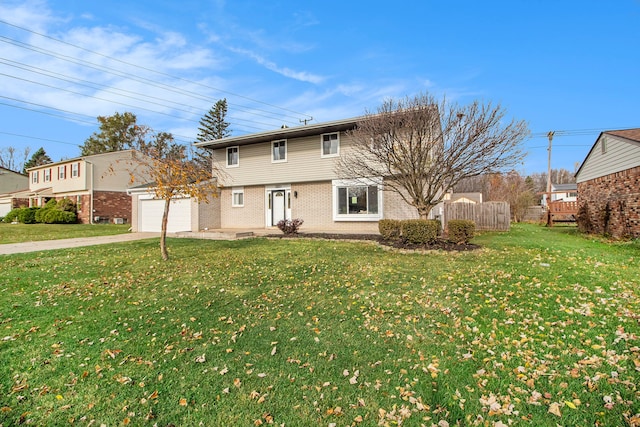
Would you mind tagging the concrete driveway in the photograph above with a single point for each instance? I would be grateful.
(46, 245)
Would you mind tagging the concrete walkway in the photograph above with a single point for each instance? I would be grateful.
(47, 245)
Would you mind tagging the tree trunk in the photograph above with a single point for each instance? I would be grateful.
(163, 231)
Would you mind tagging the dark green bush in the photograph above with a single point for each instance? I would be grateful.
(27, 215)
(62, 211)
(461, 230)
(54, 216)
(420, 231)
(390, 229)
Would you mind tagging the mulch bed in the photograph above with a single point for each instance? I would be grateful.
(438, 245)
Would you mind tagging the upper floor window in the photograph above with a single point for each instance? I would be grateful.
(330, 145)
(279, 151)
(35, 176)
(62, 172)
(233, 156)
(75, 170)
(47, 175)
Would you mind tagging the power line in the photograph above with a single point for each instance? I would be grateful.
(38, 138)
(159, 72)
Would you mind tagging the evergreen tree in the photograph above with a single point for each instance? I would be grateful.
(39, 158)
(213, 125)
(117, 132)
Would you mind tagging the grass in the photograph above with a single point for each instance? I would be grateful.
(541, 327)
(18, 233)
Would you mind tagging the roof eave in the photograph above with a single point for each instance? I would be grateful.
(284, 133)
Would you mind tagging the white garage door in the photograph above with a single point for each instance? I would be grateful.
(150, 215)
(5, 208)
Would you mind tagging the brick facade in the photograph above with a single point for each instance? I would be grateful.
(107, 205)
(612, 203)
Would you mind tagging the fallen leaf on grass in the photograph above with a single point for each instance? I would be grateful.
(554, 409)
(183, 402)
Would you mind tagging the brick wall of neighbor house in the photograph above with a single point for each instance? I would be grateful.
(19, 203)
(110, 205)
(252, 215)
(84, 211)
(622, 191)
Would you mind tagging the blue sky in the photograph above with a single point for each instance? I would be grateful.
(567, 66)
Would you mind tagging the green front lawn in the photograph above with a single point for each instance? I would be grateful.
(540, 327)
(17, 233)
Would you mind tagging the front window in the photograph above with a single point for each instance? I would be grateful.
(354, 201)
(62, 172)
(47, 175)
(330, 145)
(34, 177)
(237, 197)
(75, 170)
(279, 151)
(78, 203)
(233, 156)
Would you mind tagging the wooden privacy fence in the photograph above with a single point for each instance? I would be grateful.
(493, 216)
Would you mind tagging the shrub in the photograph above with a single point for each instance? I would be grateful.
(27, 215)
(583, 219)
(461, 230)
(54, 216)
(289, 226)
(12, 215)
(390, 229)
(62, 211)
(420, 231)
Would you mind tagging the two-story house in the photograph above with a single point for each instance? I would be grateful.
(97, 184)
(290, 173)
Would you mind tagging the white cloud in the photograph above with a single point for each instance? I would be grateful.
(302, 76)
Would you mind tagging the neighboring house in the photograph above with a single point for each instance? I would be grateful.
(97, 184)
(185, 213)
(609, 184)
(11, 182)
(290, 173)
(562, 193)
(474, 198)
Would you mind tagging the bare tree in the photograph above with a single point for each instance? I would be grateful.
(513, 188)
(10, 159)
(423, 147)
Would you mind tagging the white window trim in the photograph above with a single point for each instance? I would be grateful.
(227, 156)
(62, 172)
(357, 183)
(75, 170)
(286, 154)
(337, 153)
(34, 177)
(47, 174)
(234, 191)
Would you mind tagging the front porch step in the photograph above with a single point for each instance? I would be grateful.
(214, 235)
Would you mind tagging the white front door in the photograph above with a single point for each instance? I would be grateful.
(278, 203)
(278, 206)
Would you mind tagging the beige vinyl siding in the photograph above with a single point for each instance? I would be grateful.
(304, 163)
(620, 155)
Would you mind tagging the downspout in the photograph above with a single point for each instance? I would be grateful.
(90, 194)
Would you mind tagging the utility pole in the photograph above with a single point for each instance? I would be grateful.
(549, 222)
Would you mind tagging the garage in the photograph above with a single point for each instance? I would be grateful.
(150, 215)
(5, 208)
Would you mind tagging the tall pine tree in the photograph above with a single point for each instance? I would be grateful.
(213, 125)
(39, 158)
